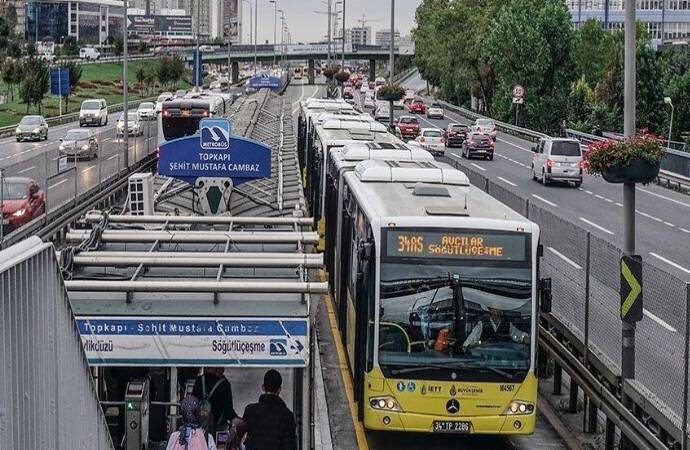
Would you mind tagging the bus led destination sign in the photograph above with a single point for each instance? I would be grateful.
(457, 244)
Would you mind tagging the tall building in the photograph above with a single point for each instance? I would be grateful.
(230, 20)
(20, 10)
(383, 37)
(358, 35)
(666, 20)
(89, 21)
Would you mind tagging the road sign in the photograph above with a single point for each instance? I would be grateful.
(195, 341)
(59, 81)
(264, 80)
(518, 91)
(148, 25)
(208, 155)
(518, 100)
(631, 288)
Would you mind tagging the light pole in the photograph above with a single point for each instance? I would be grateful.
(342, 59)
(125, 86)
(256, 25)
(275, 23)
(282, 34)
(667, 100)
(197, 67)
(392, 57)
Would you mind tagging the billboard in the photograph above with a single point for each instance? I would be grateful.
(159, 25)
(195, 341)
(231, 20)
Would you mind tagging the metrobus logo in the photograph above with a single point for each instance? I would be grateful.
(214, 134)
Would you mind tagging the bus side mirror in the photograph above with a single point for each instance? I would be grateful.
(545, 295)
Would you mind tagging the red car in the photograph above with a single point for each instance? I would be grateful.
(408, 127)
(417, 106)
(22, 202)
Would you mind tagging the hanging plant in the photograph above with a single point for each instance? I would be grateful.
(328, 72)
(342, 76)
(391, 92)
(632, 160)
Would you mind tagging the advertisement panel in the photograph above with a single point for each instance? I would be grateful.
(197, 341)
(159, 25)
(231, 21)
(302, 49)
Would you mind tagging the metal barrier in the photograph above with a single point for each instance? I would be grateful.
(48, 398)
(583, 337)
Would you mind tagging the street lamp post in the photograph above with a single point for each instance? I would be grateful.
(197, 67)
(125, 87)
(275, 23)
(282, 34)
(667, 100)
(342, 57)
(392, 58)
(256, 25)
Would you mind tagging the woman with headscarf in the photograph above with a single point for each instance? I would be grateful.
(237, 435)
(191, 435)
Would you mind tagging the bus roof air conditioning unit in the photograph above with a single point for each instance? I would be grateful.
(140, 194)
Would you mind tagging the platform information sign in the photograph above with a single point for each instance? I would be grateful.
(199, 341)
(215, 153)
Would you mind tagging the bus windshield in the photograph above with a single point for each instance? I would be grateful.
(455, 320)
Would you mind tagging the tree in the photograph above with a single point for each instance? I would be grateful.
(149, 80)
(679, 91)
(11, 75)
(177, 69)
(70, 46)
(35, 82)
(118, 45)
(75, 71)
(163, 71)
(592, 48)
(140, 75)
(11, 15)
(30, 49)
(143, 47)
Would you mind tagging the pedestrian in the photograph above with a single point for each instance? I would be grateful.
(191, 435)
(564, 128)
(237, 435)
(213, 390)
(270, 424)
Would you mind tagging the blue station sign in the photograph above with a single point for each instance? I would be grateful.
(264, 80)
(214, 153)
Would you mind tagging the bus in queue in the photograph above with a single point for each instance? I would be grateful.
(342, 160)
(310, 108)
(438, 295)
(180, 117)
(335, 133)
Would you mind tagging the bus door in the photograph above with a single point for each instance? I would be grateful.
(363, 308)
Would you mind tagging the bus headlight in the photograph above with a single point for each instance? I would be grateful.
(519, 408)
(386, 403)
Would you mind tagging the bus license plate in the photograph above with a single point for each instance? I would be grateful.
(451, 426)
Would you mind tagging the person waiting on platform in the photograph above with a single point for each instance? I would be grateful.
(270, 424)
(212, 387)
(191, 435)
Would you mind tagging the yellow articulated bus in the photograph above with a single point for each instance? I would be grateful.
(437, 296)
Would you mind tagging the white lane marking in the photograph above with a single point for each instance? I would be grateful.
(664, 197)
(590, 192)
(507, 181)
(58, 183)
(545, 200)
(684, 230)
(456, 155)
(608, 200)
(669, 224)
(599, 196)
(619, 204)
(27, 169)
(514, 145)
(649, 216)
(478, 167)
(658, 320)
(670, 263)
(565, 258)
(113, 157)
(88, 168)
(589, 222)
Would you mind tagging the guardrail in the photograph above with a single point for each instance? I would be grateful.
(74, 116)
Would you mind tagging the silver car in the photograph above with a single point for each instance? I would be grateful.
(382, 112)
(435, 110)
(486, 126)
(32, 128)
(557, 159)
(79, 144)
(146, 111)
(134, 127)
(93, 112)
(432, 140)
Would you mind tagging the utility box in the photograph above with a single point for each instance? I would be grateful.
(140, 194)
(137, 410)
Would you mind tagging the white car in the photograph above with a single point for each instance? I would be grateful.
(89, 53)
(146, 111)
(133, 125)
(382, 113)
(435, 110)
(164, 97)
(364, 89)
(93, 112)
(369, 102)
(432, 140)
(486, 126)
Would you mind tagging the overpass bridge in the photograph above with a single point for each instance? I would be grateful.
(301, 52)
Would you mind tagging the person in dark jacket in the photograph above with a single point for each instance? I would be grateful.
(270, 424)
(215, 388)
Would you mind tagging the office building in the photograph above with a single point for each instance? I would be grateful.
(667, 21)
(89, 21)
(20, 9)
(358, 35)
(383, 37)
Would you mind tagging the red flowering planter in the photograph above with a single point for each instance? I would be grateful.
(633, 160)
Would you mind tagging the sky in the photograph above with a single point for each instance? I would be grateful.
(308, 26)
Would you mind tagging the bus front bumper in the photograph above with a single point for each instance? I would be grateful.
(522, 424)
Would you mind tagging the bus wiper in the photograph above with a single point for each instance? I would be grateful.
(408, 286)
(509, 287)
(453, 365)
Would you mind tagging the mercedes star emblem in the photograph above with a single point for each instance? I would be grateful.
(453, 406)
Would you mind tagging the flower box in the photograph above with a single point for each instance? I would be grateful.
(632, 160)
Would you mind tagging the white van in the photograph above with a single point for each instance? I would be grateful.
(89, 53)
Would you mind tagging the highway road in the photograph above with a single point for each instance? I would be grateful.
(663, 233)
(39, 160)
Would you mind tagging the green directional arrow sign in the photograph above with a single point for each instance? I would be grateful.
(631, 288)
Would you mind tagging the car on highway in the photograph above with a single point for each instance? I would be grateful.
(371, 85)
(348, 92)
(180, 93)
(456, 133)
(557, 159)
(32, 128)
(478, 144)
(487, 126)
(22, 201)
(417, 106)
(93, 112)
(379, 81)
(164, 97)
(398, 104)
(407, 127)
(134, 127)
(147, 111)
(432, 140)
(382, 112)
(409, 96)
(435, 110)
(89, 53)
(79, 144)
(369, 101)
(364, 88)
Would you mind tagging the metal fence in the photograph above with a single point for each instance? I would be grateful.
(47, 395)
(63, 180)
(585, 273)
